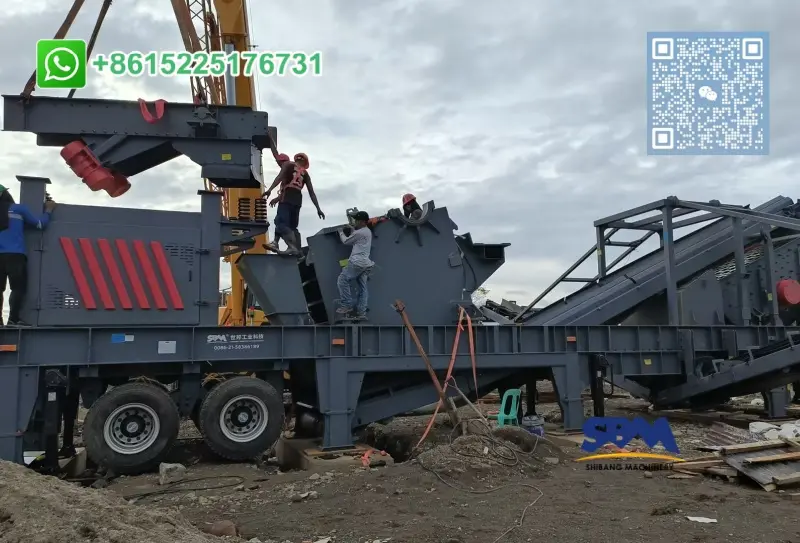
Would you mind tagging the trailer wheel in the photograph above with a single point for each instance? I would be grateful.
(131, 428)
(241, 418)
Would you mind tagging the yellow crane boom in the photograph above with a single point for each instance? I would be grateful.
(229, 32)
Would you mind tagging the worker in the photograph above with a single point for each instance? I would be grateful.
(13, 260)
(358, 268)
(411, 208)
(292, 177)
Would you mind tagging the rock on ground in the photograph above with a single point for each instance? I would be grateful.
(39, 509)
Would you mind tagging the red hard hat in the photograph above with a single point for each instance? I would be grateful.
(408, 198)
(282, 158)
(302, 156)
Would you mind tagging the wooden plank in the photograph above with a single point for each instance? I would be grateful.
(785, 457)
(752, 447)
(704, 458)
(786, 480)
(701, 465)
(791, 442)
(682, 476)
(723, 471)
(686, 472)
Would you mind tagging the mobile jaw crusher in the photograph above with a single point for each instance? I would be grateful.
(125, 305)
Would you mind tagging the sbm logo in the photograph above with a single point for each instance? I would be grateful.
(212, 338)
(620, 431)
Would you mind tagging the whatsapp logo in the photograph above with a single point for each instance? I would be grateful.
(61, 64)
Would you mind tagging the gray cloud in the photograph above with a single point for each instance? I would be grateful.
(527, 119)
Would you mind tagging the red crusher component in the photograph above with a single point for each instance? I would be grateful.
(788, 292)
(85, 165)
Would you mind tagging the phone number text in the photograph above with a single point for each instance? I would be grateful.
(236, 347)
(204, 63)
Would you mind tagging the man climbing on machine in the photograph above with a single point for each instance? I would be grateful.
(292, 177)
(358, 268)
(411, 208)
(13, 259)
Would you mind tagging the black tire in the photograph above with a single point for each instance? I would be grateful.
(107, 454)
(256, 396)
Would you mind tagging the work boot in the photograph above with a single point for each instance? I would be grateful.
(18, 324)
(343, 313)
(272, 246)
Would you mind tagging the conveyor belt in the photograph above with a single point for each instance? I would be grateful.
(627, 287)
(771, 366)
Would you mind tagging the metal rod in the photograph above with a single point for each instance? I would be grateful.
(629, 250)
(60, 35)
(696, 220)
(230, 81)
(401, 308)
(670, 275)
(95, 32)
(563, 276)
(770, 288)
(741, 286)
(451, 382)
(635, 212)
(658, 218)
(746, 214)
(601, 251)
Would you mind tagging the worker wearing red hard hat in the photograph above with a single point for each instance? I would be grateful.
(411, 209)
(292, 177)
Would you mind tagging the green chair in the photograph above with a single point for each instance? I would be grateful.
(509, 408)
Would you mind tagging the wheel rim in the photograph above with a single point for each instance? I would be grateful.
(243, 418)
(131, 428)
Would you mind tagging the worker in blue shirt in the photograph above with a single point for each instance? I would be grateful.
(13, 260)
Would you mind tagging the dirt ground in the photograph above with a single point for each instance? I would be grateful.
(475, 489)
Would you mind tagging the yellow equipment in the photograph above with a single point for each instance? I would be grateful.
(229, 32)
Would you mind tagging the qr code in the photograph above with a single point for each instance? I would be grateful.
(708, 93)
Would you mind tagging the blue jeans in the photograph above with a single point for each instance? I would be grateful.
(359, 274)
(287, 219)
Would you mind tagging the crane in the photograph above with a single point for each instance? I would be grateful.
(229, 32)
(223, 28)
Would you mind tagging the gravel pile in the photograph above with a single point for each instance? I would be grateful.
(39, 509)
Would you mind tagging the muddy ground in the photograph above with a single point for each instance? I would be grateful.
(475, 489)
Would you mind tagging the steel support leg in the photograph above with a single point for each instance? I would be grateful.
(531, 396)
(741, 274)
(338, 392)
(669, 266)
(775, 402)
(55, 392)
(569, 387)
(71, 403)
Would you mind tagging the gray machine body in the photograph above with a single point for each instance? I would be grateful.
(120, 293)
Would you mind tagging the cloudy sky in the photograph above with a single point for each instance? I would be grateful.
(525, 118)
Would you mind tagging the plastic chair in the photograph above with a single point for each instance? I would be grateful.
(509, 408)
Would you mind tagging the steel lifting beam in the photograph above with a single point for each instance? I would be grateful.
(129, 137)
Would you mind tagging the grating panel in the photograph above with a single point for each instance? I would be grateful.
(750, 256)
